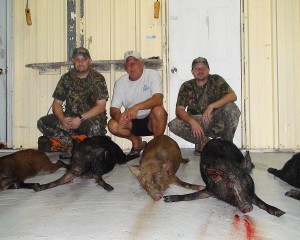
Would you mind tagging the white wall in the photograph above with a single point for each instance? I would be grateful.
(271, 74)
(270, 55)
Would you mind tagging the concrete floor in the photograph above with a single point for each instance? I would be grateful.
(83, 210)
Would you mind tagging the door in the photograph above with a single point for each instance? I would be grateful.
(5, 94)
(210, 29)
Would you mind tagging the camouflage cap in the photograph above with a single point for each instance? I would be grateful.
(81, 51)
(200, 60)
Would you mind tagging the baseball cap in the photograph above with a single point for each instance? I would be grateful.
(132, 53)
(200, 60)
(81, 51)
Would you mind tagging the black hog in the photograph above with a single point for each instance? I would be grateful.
(225, 171)
(158, 165)
(92, 158)
(15, 168)
(290, 173)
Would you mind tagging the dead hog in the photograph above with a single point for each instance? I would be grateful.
(15, 168)
(158, 165)
(225, 172)
(92, 158)
(290, 173)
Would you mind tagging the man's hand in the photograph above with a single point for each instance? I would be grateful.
(71, 123)
(197, 130)
(131, 112)
(75, 122)
(67, 123)
(124, 119)
(206, 116)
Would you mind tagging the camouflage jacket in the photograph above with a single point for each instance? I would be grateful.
(197, 98)
(80, 95)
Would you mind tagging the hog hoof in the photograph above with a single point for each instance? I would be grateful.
(276, 212)
(108, 188)
(272, 170)
(293, 193)
(37, 187)
(171, 198)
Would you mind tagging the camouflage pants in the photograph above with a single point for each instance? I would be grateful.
(51, 127)
(223, 124)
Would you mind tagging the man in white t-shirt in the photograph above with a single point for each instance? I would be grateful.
(140, 93)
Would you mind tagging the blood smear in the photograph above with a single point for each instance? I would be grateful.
(244, 226)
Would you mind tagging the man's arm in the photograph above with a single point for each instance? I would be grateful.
(197, 129)
(229, 97)
(115, 113)
(183, 115)
(59, 113)
(57, 109)
(121, 118)
(96, 110)
(155, 100)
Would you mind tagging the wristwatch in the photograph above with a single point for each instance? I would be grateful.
(81, 118)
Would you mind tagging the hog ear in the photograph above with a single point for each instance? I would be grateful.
(247, 164)
(99, 151)
(214, 174)
(135, 170)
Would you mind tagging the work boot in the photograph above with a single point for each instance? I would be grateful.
(67, 154)
(44, 144)
(200, 145)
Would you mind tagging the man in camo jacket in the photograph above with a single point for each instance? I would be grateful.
(84, 92)
(205, 108)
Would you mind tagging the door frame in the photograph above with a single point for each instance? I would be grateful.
(238, 138)
(6, 87)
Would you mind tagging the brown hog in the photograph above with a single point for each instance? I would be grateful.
(15, 168)
(158, 165)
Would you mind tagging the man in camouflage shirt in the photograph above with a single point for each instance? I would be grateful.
(85, 94)
(205, 107)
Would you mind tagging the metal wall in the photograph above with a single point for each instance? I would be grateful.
(43, 41)
(271, 74)
(108, 28)
(271, 54)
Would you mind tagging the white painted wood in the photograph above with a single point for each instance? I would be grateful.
(271, 72)
(209, 29)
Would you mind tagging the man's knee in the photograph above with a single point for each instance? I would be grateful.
(112, 126)
(175, 126)
(232, 109)
(158, 112)
(172, 125)
(38, 124)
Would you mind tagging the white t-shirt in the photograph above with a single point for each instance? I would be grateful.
(128, 93)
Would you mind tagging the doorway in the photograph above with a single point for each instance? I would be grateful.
(209, 29)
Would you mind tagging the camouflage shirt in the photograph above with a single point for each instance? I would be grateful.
(80, 94)
(197, 98)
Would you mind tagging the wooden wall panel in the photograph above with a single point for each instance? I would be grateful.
(271, 74)
(43, 41)
(108, 27)
(259, 72)
(288, 33)
(271, 54)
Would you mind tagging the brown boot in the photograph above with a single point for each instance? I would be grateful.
(200, 145)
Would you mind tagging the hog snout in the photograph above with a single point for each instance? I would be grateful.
(246, 208)
(76, 171)
(157, 197)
